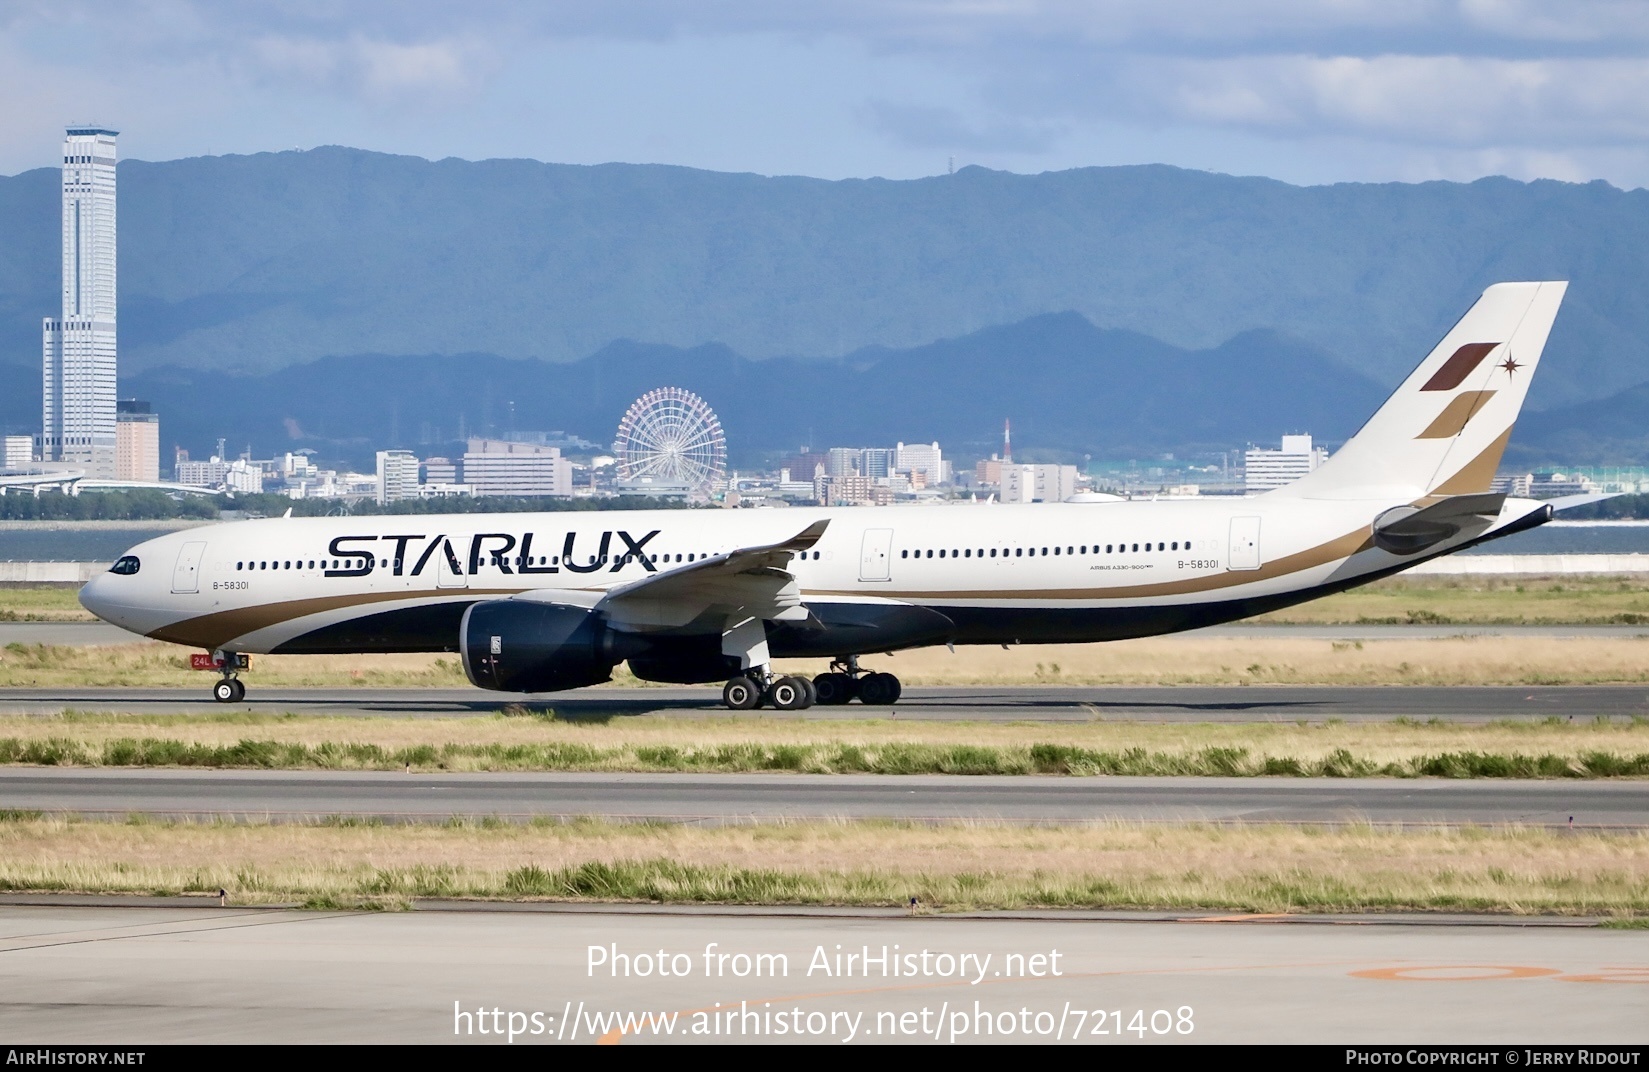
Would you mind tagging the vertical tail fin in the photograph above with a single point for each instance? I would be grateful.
(1442, 432)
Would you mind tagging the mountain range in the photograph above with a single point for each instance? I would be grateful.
(1069, 387)
(344, 300)
(261, 262)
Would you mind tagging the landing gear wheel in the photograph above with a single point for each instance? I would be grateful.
(788, 694)
(229, 690)
(812, 693)
(741, 694)
(834, 688)
(879, 689)
(240, 689)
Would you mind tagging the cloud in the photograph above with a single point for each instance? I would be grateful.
(381, 70)
(1396, 85)
(1432, 100)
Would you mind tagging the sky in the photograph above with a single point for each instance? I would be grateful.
(1307, 91)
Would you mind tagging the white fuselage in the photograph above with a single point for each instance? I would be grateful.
(1004, 573)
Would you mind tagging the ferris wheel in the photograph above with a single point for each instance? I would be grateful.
(671, 436)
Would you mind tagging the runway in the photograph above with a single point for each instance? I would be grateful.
(1019, 703)
(149, 976)
(731, 798)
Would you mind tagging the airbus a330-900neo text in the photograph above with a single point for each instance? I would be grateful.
(542, 602)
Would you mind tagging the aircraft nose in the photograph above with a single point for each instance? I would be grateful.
(94, 595)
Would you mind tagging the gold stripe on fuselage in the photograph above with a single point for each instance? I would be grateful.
(220, 627)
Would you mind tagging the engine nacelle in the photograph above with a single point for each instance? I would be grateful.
(511, 645)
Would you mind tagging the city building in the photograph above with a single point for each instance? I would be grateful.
(78, 389)
(298, 465)
(16, 452)
(137, 441)
(924, 458)
(843, 462)
(500, 467)
(1554, 485)
(803, 464)
(1037, 483)
(876, 463)
(440, 471)
(196, 474)
(853, 490)
(1267, 469)
(397, 476)
(239, 475)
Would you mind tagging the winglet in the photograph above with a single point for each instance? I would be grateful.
(805, 538)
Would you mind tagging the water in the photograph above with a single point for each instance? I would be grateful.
(1572, 538)
(76, 544)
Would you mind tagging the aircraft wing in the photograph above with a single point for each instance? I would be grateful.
(751, 582)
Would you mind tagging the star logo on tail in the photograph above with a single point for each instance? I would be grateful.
(1510, 365)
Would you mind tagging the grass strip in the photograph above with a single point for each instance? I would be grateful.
(891, 757)
(872, 863)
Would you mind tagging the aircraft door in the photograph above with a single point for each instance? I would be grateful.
(1244, 552)
(186, 574)
(875, 555)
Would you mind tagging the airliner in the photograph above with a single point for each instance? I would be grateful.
(543, 602)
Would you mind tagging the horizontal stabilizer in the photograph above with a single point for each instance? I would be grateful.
(1408, 530)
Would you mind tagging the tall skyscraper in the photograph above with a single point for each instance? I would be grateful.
(79, 388)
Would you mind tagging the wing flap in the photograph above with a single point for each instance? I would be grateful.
(751, 582)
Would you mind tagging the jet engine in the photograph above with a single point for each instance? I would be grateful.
(511, 645)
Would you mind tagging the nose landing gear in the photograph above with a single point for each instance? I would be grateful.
(229, 689)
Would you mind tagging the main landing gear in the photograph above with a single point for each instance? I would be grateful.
(844, 682)
(757, 687)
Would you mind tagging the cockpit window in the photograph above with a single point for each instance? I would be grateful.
(126, 566)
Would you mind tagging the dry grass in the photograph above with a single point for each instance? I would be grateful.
(1175, 660)
(1485, 600)
(1192, 660)
(153, 664)
(535, 740)
(1266, 869)
(42, 603)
